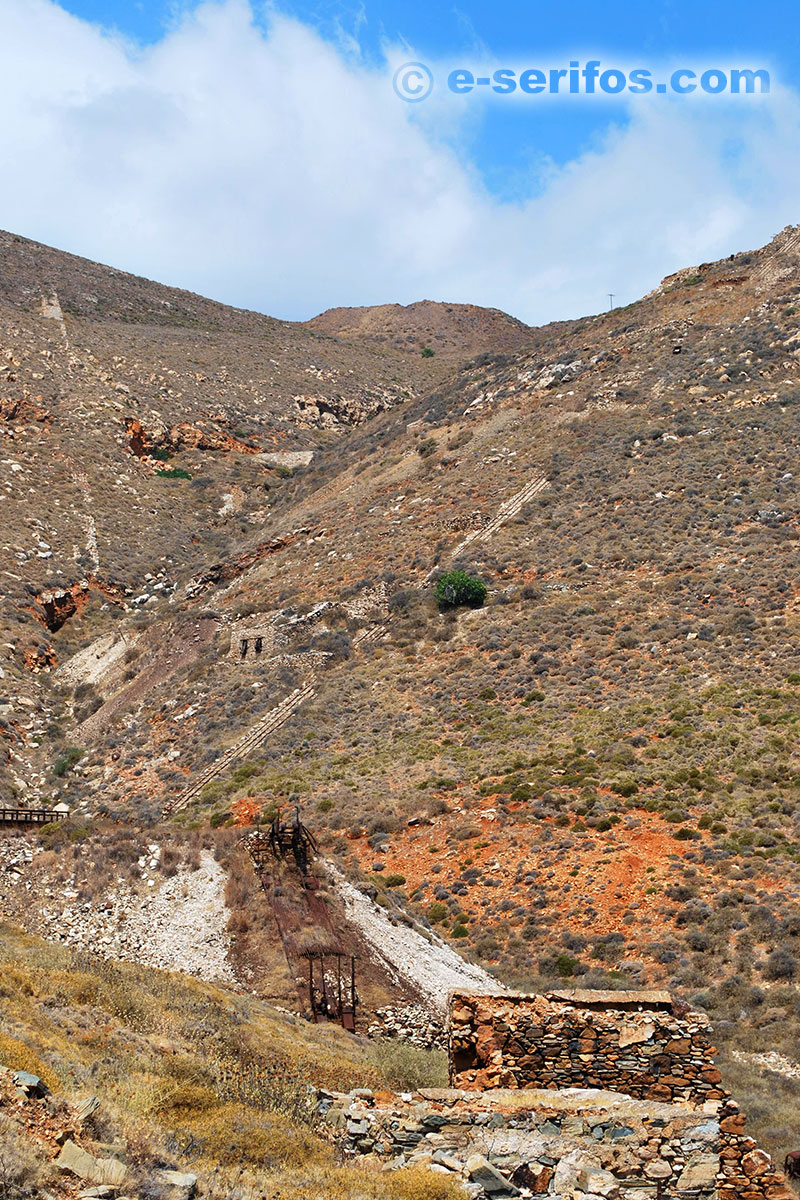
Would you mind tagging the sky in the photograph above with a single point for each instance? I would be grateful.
(259, 154)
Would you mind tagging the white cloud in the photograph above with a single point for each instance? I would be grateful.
(274, 170)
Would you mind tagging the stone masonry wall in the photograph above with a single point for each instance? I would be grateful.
(548, 1143)
(746, 1171)
(537, 1042)
(647, 1051)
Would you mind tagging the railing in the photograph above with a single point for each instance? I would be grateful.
(30, 816)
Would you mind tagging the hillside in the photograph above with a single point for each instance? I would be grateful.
(594, 776)
(185, 1081)
(145, 431)
(452, 331)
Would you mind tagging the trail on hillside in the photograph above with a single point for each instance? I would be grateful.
(425, 963)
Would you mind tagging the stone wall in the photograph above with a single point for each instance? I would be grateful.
(746, 1171)
(641, 1049)
(522, 1143)
(569, 1145)
(254, 638)
(638, 1045)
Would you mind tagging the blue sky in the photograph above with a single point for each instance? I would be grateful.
(257, 153)
(509, 138)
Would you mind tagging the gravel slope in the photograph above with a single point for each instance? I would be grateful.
(426, 963)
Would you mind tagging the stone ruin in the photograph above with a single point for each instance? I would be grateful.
(265, 636)
(630, 1042)
(255, 637)
(580, 1095)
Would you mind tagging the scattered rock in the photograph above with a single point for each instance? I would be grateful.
(481, 1171)
(31, 1085)
(184, 1181)
(79, 1162)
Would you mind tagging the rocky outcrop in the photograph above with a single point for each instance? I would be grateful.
(335, 411)
(54, 608)
(40, 656)
(231, 568)
(23, 410)
(143, 443)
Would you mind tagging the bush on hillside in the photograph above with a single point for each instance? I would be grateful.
(457, 588)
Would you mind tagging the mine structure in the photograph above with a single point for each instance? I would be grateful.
(324, 971)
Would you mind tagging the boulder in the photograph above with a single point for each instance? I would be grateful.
(443, 1159)
(85, 1109)
(79, 1162)
(184, 1181)
(659, 1168)
(565, 1180)
(533, 1176)
(757, 1162)
(598, 1182)
(699, 1173)
(481, 1171)
(31, 1085)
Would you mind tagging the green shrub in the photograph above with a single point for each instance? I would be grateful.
(394, 880)
(626, 785)
(173, 473)
(426, 352)
(457, 588)
(437, 912)
(218, 818)
(66, 761)
(460, 931)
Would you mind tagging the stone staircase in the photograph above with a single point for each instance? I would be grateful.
(253, 738)
(279, 715)
(508, 509)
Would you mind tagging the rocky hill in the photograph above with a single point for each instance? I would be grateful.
(145, 431)
(452, 331)
(594, 775)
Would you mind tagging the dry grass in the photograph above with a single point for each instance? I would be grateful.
(194, 1075)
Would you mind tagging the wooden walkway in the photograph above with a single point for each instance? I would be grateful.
(30, 816)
